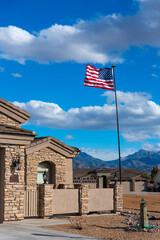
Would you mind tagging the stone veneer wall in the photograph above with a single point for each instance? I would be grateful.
(41, 200)
(13, 191)
(8, 121)
(84, 199)
(118, 198)
(50, 156)
(45, 200)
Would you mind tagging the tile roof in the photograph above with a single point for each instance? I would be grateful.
(39, 140)
(127, 173)
(7, 129)
(11, 105)
(82, 172)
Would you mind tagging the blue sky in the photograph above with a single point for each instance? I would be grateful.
(44, 47)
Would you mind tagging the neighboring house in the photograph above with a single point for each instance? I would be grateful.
(156, 179)
(132, 179)
(24, 159)
(87, 177)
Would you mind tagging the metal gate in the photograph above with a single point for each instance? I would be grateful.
(31, 202)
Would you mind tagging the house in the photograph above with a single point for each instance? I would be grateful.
(88, 177)
(25, 159)
(156, 179)
(132, 179)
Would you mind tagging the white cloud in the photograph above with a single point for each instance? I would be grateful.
(101, 40)
(138, 115)
(16, 75)
(69, 137)
(108, 154)
(154, 75)
(151, 147)
(1, 69)
(155, 66)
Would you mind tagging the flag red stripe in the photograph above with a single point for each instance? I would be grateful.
(98, 86)
(92, 75)
(91, 67)
(99, 82)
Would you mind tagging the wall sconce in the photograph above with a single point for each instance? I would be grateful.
(45, 177)
(16, 164)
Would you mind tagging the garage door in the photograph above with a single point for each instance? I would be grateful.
(126, 186)
(140, 186)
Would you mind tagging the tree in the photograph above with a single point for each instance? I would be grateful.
(154, 171)
(144, 173)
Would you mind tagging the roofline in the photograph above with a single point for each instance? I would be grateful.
(54, 144)
(13, 111)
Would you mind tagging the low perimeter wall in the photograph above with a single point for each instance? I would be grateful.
(65, 201)
(100, 199)
(82, 200)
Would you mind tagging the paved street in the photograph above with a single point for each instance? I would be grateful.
(30, 230)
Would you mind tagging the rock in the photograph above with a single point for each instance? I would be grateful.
(152, 218)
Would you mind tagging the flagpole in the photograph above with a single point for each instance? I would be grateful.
(120, 172)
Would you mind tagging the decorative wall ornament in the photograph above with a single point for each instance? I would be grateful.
(16, 164)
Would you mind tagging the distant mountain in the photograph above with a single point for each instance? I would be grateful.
(83, 160)
(142, 160)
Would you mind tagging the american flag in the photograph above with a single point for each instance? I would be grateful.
(99, 78)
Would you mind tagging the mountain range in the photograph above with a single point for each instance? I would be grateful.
(142, 160)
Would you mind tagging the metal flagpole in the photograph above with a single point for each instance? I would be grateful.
(120, 172)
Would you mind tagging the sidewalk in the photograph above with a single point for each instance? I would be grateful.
(29, 230)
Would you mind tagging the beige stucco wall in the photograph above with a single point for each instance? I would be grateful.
(8, 121)
(65, 201)
(69, 171)
(100, 199)
(50, 156)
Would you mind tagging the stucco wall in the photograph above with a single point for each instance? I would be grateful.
(8, 121)
(100, 199)
(65, 201)
(69, 171)
(48, 155)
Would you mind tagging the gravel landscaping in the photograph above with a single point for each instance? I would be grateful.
(107, 227)
(113, 227)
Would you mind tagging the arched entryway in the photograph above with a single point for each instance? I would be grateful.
(49, 169)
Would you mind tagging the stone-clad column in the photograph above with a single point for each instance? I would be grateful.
(41, 200)
(84, 199)
(118, 198)
(45, 200)
(14, 185)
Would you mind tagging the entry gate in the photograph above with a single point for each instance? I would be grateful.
(31, 202)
